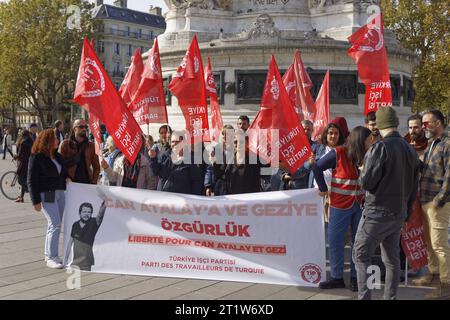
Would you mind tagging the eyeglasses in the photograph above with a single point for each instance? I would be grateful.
(82, 127)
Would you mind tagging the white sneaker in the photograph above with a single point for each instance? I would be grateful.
(56, 259)
(54, 264)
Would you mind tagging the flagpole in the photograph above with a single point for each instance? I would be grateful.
(406, 272)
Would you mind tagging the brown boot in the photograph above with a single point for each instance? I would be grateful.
(428, 280)
(440, 293)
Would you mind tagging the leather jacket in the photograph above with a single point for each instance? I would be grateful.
(390, 177)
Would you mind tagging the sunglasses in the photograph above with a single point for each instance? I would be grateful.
(427, 123)
(82, 127)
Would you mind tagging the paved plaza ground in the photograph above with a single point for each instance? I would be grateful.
(24, 275)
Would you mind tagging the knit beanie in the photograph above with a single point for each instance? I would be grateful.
(386, 117)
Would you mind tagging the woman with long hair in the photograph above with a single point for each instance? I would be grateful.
(47, 182)
(24, 144)
(345, 200)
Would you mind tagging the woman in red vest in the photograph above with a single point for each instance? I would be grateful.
(345, 200)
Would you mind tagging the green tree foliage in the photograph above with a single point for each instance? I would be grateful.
(41, 45)
(423, 27)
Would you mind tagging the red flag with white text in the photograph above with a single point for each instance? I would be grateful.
(188, 85)
(95, 92)
(94, 127)
(378, 94)
(132, 79)
(322, 107)
(413, 238)
(149, 102)
(276, 113)
(369, 53)
(211, 91)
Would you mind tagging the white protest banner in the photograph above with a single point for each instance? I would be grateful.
(270, 237)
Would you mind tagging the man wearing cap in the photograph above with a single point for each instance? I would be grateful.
(390, 177)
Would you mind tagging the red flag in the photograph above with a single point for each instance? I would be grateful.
(322, 108)
(94, 127)
(297, 77)
(291, 89)
(132, 79)
(277, 113)
(96, 93)
(188, 85)
(413, 238)
(369, 53)
(378, 94)
(211, 91)
(149, 102)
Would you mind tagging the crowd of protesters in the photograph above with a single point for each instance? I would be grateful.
(368, 179)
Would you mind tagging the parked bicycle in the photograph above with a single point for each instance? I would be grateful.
(9, 185)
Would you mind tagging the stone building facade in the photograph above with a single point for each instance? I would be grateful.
(241, 35)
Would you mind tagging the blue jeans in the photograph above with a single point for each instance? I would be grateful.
(54, 213)
(340, 221)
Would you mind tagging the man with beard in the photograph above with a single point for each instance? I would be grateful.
(83, 236)
(79, 155)
(416, 135)
(371, 124)
(434, 196)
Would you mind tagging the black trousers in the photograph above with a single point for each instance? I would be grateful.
(4, 152)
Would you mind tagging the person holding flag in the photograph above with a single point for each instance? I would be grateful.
(346, 196)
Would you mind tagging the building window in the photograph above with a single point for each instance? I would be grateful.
(117, 70)
(396, 89)
(101, 46)
(128, 31)
(117, 48)
(150, 35)
(130, 50)
(408, 92)
(139, 33)
(343, 85)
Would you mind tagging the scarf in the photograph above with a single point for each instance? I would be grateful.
(419, 145)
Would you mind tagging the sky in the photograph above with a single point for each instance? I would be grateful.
(141, 5)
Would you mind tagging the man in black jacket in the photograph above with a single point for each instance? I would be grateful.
(390, 178)
(176, 171)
